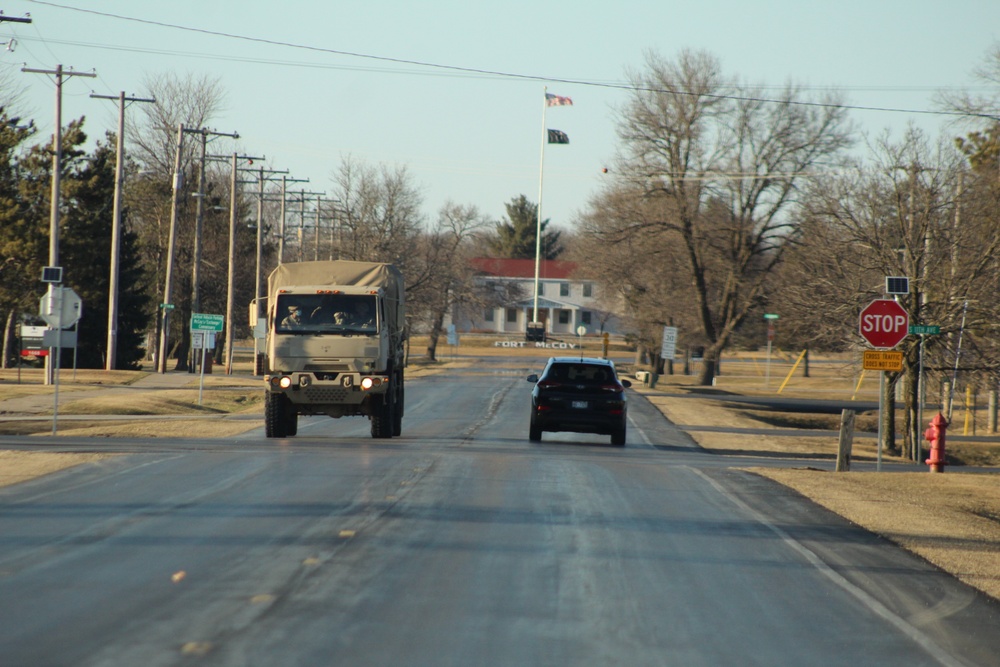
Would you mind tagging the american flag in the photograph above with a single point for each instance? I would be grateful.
(557, 101)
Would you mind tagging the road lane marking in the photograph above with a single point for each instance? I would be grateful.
(196, 648)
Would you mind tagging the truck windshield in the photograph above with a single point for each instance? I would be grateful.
(326, 313)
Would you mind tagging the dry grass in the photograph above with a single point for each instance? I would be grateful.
(173, 402)
(17, 466)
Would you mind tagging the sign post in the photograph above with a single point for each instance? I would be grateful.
(668, 349)
(922, 330)
(61, 308)
(203, 329)
(883, 324)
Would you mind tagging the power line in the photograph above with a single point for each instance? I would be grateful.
(497, 73)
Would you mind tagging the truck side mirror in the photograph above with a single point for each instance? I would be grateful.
(258, 308)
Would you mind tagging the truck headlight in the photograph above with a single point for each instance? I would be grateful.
(367, 383)
(285, 382)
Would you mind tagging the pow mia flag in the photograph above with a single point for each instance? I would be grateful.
(558, 137)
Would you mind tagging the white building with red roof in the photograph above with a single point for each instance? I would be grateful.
(566, 300)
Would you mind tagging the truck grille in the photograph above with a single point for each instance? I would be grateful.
(324, 394)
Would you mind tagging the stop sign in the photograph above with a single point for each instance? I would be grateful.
(884, 323)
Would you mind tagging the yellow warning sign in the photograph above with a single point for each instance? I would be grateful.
(883, 360)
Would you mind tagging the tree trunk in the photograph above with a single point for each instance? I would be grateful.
(432, 341)
(708, 363)
(911, 422)
(8, 340)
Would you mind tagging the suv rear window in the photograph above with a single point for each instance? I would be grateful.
(580, 373)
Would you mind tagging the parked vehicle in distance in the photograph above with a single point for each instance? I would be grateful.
(579, 394)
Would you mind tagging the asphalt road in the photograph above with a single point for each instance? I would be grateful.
(459, 543)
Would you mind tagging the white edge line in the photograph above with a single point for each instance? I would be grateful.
(874, 605)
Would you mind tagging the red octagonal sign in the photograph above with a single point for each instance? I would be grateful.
(884, 323)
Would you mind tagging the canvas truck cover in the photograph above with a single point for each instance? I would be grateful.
(343, 272)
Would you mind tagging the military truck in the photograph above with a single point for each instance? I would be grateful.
(334, 344)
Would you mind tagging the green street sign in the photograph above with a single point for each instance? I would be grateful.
(205, 322)
(166, 306)
(770, 316)
(924, 329)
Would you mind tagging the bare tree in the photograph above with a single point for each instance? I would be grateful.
(619, 227)
(915, 210)
(191, 101)
(379, 212)
(728, 166)
(13, 93)
(439, 278)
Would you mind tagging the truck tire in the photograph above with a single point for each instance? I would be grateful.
(275, 412)
(618, 438)
(382, 418)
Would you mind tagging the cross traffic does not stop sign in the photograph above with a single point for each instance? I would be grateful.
(884, 323)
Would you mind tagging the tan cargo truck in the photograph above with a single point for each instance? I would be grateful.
(334, 344)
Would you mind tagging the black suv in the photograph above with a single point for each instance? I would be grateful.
(579, 394)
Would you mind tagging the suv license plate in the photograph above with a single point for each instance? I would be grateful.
(580, 405)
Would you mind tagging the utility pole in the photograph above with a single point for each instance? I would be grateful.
(59, 73)
(231, 279)
(261, 179)
(302, 220)
(15, 19)
(166, 306)
(116, 223)
(198, 224)
(281, 234)
(334, 230)
(319, 208)
(200, 215)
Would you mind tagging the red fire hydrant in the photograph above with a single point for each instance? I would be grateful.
(935, 434)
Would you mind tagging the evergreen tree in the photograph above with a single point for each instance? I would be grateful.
(19, 239)
(86, 252)
(516, 235)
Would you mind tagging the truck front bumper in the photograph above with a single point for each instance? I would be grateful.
(307, 388)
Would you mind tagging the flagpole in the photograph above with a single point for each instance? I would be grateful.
(538, 222)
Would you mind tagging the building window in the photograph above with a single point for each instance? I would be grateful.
(488, 314)
(512, 314)
(585, 317)
(541, 288)
(563, 316)
(588, 289)
(563, 289)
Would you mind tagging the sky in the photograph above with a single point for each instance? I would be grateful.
(452, 90)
